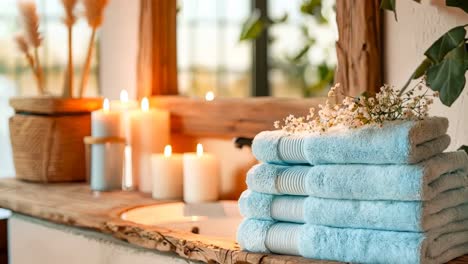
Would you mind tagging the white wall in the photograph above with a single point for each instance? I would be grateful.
(7, 90)
(119, 48)
(418, 26)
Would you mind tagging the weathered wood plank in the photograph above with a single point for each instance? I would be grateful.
(230, 116)
(359, 46)
(75, 205)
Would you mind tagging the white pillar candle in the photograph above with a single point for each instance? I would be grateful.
(147, 132)
(124, 104)
(167, 174)
(107, 158)
(201, 176)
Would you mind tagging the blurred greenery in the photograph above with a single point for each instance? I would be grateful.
(296, 66)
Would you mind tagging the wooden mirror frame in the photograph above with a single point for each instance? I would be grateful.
(359, 69)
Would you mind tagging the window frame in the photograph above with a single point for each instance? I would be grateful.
(359, 69)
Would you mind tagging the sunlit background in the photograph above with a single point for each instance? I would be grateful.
(301, 49)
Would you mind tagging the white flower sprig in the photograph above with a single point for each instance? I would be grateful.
(388, 104)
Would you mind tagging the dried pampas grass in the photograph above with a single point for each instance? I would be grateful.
(30, 22)
(24, 48)
(94, 12)
(69, 7)
(69, 20)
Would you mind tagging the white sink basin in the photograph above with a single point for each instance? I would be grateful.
(218, 219)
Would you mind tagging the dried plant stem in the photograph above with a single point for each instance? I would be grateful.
(39, 73)
(87, 65)
(69, 74)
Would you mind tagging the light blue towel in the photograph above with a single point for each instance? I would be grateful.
(354, 245)
(413, 216)
(403, 182)
(397, 142)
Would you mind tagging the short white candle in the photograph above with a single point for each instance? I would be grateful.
(147, 132)
(201, 177)
(167, 173)
(106, 159)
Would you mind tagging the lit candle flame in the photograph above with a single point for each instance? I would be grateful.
(105, 105)
(167, 150)
(124, 96)
(199, 149)
(144, 104)
(209, 96)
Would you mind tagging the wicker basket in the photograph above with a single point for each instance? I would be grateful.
(47, 138)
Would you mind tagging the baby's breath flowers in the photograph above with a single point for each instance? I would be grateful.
(388, 104)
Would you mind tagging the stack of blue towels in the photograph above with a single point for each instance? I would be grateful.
(370, 195)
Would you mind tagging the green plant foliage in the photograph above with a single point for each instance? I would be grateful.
(462, 4)
(447, 42)
(422, 68)
(445, 65)
(252, 27)
(389, 5)
(464, 148)
(448, 76)
(314, 8)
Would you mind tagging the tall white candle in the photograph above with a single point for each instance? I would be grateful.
(107, 158)
(104, 122)
(167, 174)
(201, 176)
(147, 132)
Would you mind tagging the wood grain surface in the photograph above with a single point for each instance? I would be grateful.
(75, 205)
(359, 46)
(230, 116)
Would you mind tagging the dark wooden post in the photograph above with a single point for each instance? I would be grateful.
(157, 56)
(359, 47)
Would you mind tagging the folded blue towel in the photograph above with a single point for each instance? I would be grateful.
(401, 182)
(354, 245)
(415, 216)
(395, 142)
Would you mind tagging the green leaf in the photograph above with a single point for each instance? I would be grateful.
(314, 8)
(389, 5)
(447, 42)
(448, 76)
(301, 53)
(466, 57)
(422, 68)
(462, 4)
(420, 71)
(464, 148)
(253, 27)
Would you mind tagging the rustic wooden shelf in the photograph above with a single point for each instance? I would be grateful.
(74, 204)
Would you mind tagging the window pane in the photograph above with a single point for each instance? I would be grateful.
(53, 53)
(210, 56)
(302, 54)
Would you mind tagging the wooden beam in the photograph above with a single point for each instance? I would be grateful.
(230, 116)
(157, 56)
(359, 46)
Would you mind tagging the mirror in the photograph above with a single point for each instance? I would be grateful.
(243, 48)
